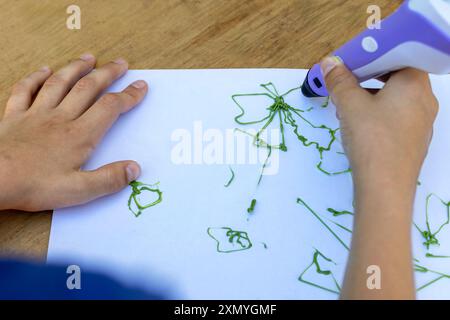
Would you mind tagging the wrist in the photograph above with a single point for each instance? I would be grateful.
(384, 174)
(385, 193)
(12, 187)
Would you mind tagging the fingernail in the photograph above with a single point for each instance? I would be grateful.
(329, 63)
(87, 57)
(133, 172)
(120, 61)
(139, 84)
(45, 69)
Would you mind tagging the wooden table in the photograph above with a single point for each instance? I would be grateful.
(165, 34)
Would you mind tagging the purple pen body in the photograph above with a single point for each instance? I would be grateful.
(416, 35)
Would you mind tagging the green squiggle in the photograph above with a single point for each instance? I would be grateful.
(341, 226)
(300, 201)
(285, 114)
(422, 269)
(252, 206)
(319, 270)
(339, 213)
(326, 103)
(430, 236)
(138, 188)
(430, 255)
(231, 178)
(328, 173)
(431, 282)
(235, 237)
(260, 143)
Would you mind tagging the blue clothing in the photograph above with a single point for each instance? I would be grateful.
(21, 280)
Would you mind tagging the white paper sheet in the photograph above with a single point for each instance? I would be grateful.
(169, 243)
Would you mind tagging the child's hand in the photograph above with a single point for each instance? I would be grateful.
(52, 123)
(386, 137)
(387, 134)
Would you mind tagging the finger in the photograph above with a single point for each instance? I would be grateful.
(113, 177)
(409, 83)
(57, 86)
(87, 89)
(101, 116)
(342, 85)
(25, 90)
(411, 76)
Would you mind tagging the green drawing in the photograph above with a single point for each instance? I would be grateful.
(236, 240)
(252, 206)
(430, 255)
(319, 270)
(262, 144)
(231, 178)
(139, 188)
(329, 173)
(285, 114)
(300, 201)
(326, 102)
(339, 213)
(341, 226)
(427, 234)
(422, 269)
(265, 164)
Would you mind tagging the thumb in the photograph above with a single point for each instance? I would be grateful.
(108, 179)
(341, 84)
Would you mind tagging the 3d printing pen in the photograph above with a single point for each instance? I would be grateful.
(416, 35)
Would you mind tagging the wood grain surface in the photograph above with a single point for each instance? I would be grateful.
(164, 34)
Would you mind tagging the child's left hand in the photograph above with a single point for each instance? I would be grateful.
(51, 124)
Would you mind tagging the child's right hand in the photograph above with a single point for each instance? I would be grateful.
(386, 135)
(51, 125)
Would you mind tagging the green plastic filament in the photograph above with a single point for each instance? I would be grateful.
(316, 215)
(252, 206)
(231, 178)
(239, 239)
(422, 269)
(430, 236)
(281, 112)
(319, 270)
(339, 213)
(138, 188)
(328, 173)
(430, 255)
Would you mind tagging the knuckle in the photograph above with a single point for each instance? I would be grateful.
(434, 105)
(110, 72)
(86, 148)
(20, 87)
(87, 145)
(85, 83)
(334, 74)
(56, 80)
(339, 78)
(425, 99)
(69, 130)
(115, 179)
(110, 99)
(133, 95)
